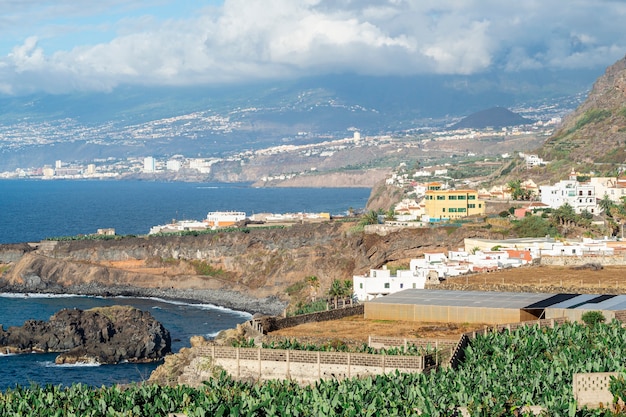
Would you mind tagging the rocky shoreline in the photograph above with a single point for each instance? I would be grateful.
(104, 335)
(220, 298)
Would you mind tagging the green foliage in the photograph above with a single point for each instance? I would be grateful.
(339, 346)
(307, 308)
(591, 318)
(371, 217)
(296, 288)
(206, 269)
(592, 116)
(504, 214)
(89, 237)
(501, 371)
(534, 226)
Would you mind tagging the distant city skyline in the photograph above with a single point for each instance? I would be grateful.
(68, 46)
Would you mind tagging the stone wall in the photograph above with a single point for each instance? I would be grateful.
(619, 259)
(271, 324)
(307, 367)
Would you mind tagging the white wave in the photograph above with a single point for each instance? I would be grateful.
(7, 354)
(39, 295)
(207, 188)
(50, 364)
(202, 306)
(213, 334)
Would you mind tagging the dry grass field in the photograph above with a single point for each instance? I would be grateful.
(609, 279)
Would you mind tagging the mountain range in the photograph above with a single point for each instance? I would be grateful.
(217, 121)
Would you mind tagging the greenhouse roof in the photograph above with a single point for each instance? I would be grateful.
(515, 300)
(485, 299)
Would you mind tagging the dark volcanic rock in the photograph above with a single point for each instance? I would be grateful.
(103, 335)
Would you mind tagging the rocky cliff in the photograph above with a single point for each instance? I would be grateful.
(102, 335)
(596, 131)
(251, 271)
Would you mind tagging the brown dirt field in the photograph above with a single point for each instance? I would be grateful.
(609, 279)
(357, 329)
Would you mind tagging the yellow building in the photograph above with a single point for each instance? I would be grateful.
(451, 204)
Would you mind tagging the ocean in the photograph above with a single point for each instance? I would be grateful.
(34, 210)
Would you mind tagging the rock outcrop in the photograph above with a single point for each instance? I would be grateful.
(105, 335)
(595, 132)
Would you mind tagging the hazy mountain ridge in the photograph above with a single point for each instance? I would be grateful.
(495, 117)
(215, 121)
(595, 133)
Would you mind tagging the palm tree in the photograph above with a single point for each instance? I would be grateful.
(336, 290)
(606, 204)
(314, 282)
(371, 217)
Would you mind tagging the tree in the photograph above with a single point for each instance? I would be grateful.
(516, 188)
(606, 204)
(336, 290)
(534, 226)
(314, 282)
(591, 318)
(371, 217)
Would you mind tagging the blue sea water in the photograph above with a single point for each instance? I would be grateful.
(33, 210)
(183, 320)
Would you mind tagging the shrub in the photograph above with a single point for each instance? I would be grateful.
(591, 318)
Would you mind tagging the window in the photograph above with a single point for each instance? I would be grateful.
(471, 205)
(361, 285)
(461, 197)
(588, 192)
(452, 210)
(443, 210)
(580, 192)
(452, 197)
(462, 210)
(414, 285)
(471, 197)
(480, 206)
(386, 285)
(441, 197)
(401, 285)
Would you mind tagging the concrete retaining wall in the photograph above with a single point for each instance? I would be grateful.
(308, 367)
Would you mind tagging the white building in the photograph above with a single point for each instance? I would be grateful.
(149, 164)
(581, 196)
(173, 165)
(614, 188)
(380, 282)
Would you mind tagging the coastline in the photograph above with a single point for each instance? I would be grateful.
(219, 298)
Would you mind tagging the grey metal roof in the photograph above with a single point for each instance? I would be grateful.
(484, 299)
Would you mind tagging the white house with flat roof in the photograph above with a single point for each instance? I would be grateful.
(381, 282)
(578, 195)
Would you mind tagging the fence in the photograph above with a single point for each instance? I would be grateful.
(307, 366)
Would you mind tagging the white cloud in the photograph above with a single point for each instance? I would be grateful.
(243, 40)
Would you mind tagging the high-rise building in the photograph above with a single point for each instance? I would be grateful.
(148, 164)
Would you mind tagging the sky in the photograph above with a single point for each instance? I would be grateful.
(62, 46)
